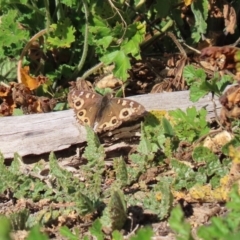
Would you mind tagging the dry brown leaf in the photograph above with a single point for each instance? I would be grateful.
(215, 143)
(29, 81)
(230, 101)
(230, 18)
(109, 81)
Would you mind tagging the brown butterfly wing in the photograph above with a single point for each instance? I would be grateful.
(114, 111)
(86, 106)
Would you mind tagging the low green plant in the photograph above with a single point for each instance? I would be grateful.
(200, 86)
(190, 125)
(178, 224)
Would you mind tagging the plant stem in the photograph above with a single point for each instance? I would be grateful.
(48, 16)
(85, 45)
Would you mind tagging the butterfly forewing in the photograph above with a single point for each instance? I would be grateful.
(117, 111)
(86, 106)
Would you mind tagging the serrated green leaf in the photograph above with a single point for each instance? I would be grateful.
(100, 27)
(196, 93)
(121, 61)
(224, 82)
(120, 168)
(235, 142)
(66, 232)
(96, 230)
(105, 42)
(145, 233)
(190, 125)
(84, 204)
(200, 11)
(115, 214)
(63, 35)
(135, 34)
(12, 38)
(35, 234)
(116, 235)
(8, 69)
(180, 227)
(94, 150)
(203, 154)
(192, 75)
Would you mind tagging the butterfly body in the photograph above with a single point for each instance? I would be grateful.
(104, 112)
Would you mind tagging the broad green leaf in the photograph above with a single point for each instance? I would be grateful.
(35, 234)
(66, 232)
(8, 69)
(168, 129)
(96, 230)
(115, 214)
(63, 35)
(12, 38)
(116, 235)
(200, 11)
(122, 63)
(100, 28)
(5, 228)
(162, 8)
(181, 228)
(120, 168)
(145, 233)
(135, 35)
(196, 93)
(203, 154)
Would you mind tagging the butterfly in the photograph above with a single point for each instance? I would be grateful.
(103, 113)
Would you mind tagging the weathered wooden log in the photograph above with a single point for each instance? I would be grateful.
(41, 133)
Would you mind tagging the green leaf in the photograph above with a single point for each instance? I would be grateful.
(200, 11)
(94, 150)
(162, 8)
(63, 35)
(105, 42)
(135, 34)
(235, 142)
(203, 154)
(115, 214)
(12, 38)
(168, 130)
(122, 63)
(145, 233)
(35, 234)
(5, 228)
(120, 168)
(17, 112)
(66, 232)
(190, 125)
(116, 235)
(8, 69)
(84, 204)
(180, 227)
(69, 3)
(96, 230)
(192, 75)
(100, 28)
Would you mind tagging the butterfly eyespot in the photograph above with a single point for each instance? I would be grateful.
(78, 103)
(125, 113)
(104, 125)
(86, 120)
(114, 121)
(80, 113)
